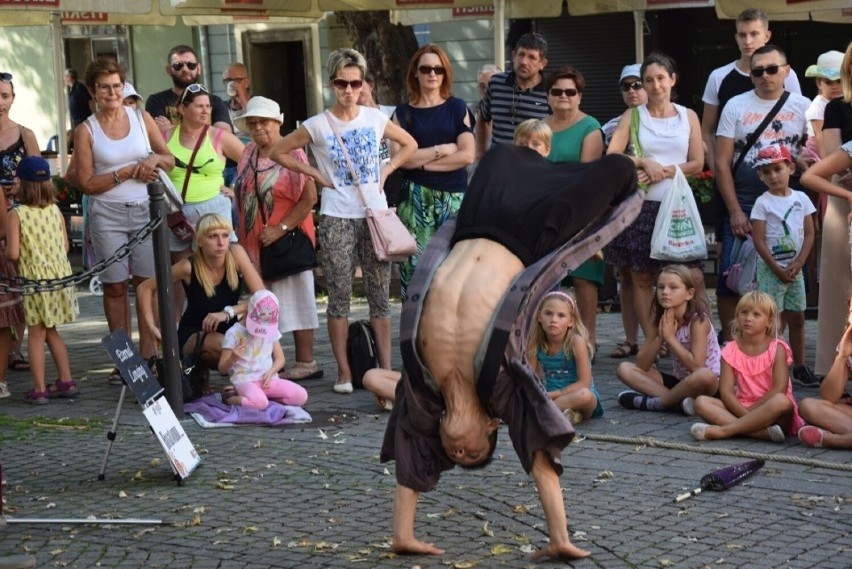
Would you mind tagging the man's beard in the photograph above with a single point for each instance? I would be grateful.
(181, 84)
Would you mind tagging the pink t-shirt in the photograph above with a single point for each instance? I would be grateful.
(713, 361)
(753, 376)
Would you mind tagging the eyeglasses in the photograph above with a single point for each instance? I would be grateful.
(427, 69)
(567, 92)
(635, 85)
(254, 123)
(234, 79)
(106, 87)
(769, 69)
(5, 77)
(342, 84)
(178, 65)
(193, 88)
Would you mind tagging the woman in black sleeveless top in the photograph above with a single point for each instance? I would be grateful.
(213, 278)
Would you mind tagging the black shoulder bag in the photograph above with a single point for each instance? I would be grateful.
(292, 253)
(759, 130)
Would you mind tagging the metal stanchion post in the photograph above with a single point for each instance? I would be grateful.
(163, 265)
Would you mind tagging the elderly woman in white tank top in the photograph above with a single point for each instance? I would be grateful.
(112, 165)
(669, 135)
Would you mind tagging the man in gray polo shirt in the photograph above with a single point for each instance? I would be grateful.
(514, 96)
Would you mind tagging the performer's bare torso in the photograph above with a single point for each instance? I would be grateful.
(464, 294)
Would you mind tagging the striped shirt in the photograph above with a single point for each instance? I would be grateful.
(506, 106)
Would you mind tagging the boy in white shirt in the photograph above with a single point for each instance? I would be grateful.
(783, 231)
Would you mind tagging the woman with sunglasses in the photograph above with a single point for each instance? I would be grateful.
(16, 143)
(435, 177)
(199, 150)
(577, 137)
(112, 166)
(343, 233)
(669, 135)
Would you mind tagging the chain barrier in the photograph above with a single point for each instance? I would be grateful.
(26, 286)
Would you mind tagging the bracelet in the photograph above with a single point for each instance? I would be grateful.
(115, 177)
(437, 154)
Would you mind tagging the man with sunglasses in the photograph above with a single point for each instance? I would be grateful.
(514, 96)
(632, 92)
(752, 32)
(184, 69)
(736, 177)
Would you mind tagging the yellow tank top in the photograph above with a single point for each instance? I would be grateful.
(206, 180)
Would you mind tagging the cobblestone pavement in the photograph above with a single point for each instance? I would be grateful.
(316, 495)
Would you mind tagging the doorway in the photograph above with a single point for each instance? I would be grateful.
(277, 62)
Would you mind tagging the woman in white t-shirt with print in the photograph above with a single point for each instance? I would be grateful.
(342, 230)
(669, 136)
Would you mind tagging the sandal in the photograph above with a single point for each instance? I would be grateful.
(37, 397)
(302, 371)
(17, 361)
(624, 349)
(114, 377)
(64, 389)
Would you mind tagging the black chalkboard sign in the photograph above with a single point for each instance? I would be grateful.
(134, 370)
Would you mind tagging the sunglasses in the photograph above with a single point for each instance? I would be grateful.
(567, 92)
(635, 85)
(342, 84)
(191, 65)
(193, 88)
(5, 77)
(427, 69)
(769, 70)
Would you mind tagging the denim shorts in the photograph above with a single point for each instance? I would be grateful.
(112, 225)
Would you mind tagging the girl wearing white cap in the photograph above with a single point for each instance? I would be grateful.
(252, 355)
(827, 75)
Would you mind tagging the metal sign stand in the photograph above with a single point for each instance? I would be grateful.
(136, 374)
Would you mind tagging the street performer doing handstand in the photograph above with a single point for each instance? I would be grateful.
(457, 382)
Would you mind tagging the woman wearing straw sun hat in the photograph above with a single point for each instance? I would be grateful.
(287, 198)
(827, 75)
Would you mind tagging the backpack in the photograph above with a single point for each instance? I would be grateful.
(361, 351)
(741, 276)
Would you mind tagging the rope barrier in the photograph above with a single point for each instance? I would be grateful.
(656, 443)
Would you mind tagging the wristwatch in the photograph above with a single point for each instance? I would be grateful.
(284, 228)
(229, 310)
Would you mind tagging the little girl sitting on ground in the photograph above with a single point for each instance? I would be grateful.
(252, 355)
(682, 324)
(559, 353)
(755, 389)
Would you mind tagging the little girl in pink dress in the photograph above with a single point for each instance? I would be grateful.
(754, 386)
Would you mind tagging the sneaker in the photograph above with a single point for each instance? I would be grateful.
(687, 406)
(805, 377)
(4, 390)
(627, 399)
(574, 417)
(811, 436)
(776, 434)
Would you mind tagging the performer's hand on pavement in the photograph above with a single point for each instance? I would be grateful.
(416, 547)
(564, 551)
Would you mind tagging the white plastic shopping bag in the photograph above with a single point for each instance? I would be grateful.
(678, 233)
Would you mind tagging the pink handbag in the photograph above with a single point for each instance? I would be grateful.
(391, 240)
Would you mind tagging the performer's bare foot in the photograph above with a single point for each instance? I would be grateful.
(416, 547)
(564, 551)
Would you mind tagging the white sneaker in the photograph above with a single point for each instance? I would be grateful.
(4, 390)
(344, 388)
(688, 406)
(776, 434)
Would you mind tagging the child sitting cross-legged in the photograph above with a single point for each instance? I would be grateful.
(682, 324)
